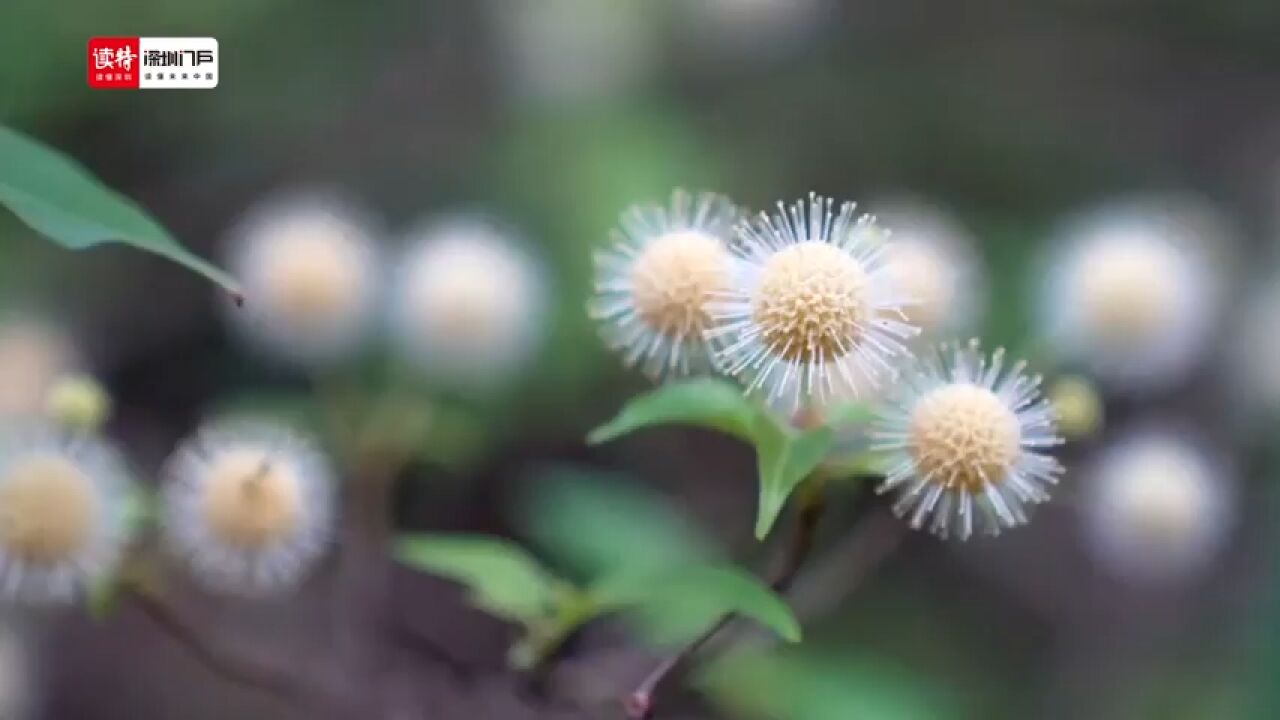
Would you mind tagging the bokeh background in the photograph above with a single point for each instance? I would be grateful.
(553, 116)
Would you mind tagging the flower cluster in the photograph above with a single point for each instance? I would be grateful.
(248, 508)
(464, 303)
(812, 304)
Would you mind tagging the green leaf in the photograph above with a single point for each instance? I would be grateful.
(705, 402)
(680, 603)
(503, 579)
(60, 199)
(848, 415)
(785, 457)
(790, 685)
(597, 524)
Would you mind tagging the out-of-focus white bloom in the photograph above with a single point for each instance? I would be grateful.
(558, 51)
(654, 286)
(63, 506)
(934, 264)
(32, 356)
(310, 273)
(812, 310)
(1157, 507)
(469, 305)
(1134, 292)
(966, 439)
(1257, 350)
(249, 506)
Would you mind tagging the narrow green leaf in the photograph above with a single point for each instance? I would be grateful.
(705, 402)
(785, 457)
(58, 198)
(502, 578)
(595, 523)
(680, 603)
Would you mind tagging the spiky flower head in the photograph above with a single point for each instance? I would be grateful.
(249, 506)
(310, 272)
(63, 507)
(1133, 293)
(655, 285)
(1157, 507)
(813, 310)
(469, 303)
(965, 437)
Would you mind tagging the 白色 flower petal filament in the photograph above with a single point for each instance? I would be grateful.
(63, 507)
(966, 436)
(249, 506)
(654, 284)
(813, 311)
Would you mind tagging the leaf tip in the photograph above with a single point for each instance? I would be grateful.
(601, 435)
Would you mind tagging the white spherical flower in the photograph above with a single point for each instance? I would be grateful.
(310, 275)
(934, 264)
(965, 442)
(812, 309)
(1133, 294)
(1157, 507)
(469, 305)
(63, 511)
(655, 285)
(249, 507)
(33, 355)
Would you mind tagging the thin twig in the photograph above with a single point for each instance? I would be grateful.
(639, 704)
(837, 574)
(281, 679)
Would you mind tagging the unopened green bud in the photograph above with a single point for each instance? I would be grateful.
(1078, 406)
(78, 402)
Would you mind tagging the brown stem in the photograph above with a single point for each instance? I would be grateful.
(239, 665)
(640, 703)
(362, 592)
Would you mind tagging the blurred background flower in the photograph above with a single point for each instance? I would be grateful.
(1032, 139)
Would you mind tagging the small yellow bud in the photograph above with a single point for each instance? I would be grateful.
(1078, 407)
(78, 402)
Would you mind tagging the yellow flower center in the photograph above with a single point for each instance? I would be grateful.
(964, 437)
(811, 303)
(675, 277)
(48, 509)
(251, 500)
(1128, 291)
(309, 278)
